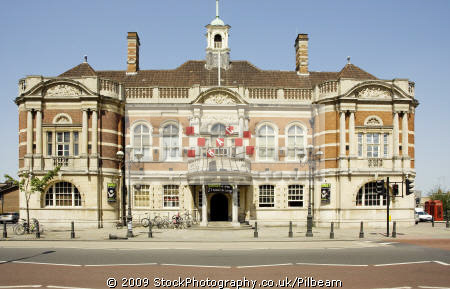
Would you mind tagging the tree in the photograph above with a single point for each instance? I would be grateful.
(439, 194)
(30, 183)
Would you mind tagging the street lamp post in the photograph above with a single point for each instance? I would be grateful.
(311, 162)
(128, 162)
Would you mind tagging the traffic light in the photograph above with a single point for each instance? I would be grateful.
(380, 187)
(395, 189)
(409, 186)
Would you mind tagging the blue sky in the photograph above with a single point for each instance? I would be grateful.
(390, 39)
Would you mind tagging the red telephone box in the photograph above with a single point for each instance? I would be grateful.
(435, 209)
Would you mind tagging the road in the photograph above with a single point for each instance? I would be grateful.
(405, 264)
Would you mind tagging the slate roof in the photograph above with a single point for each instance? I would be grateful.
(240, 73)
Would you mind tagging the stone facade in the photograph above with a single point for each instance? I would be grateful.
(168, 122)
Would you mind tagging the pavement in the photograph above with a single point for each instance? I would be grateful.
(198, 237)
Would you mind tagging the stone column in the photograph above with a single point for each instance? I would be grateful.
(395, 136)
(234, 211)
(39, 132)
(94, 132)
(342, 135)
(204, 222)
(351, 134)
(29, 132)
(241, 126)
(405, 134)
(84, 133)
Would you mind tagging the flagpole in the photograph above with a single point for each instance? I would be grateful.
(219, 68)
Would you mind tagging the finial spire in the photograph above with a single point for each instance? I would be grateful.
(217, 8)
(85, 58)
(348, 59)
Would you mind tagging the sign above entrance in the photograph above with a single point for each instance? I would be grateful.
(220, 189)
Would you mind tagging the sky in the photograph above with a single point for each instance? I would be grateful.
(389, 39)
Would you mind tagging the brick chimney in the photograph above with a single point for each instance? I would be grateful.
(133, 53)
(301, 54)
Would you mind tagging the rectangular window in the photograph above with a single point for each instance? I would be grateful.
(266, 196)
(385, 145)
(62, 143)
(171, 196)
(373, 145)
(49, 143)
(75, 143)
(200, 200)
(295, 196)
(142, 196)
(360, 144)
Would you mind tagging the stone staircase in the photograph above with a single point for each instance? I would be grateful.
(222, 226)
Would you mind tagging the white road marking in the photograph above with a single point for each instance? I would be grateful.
(268, 265)
(404, 263)
(203, 266)
(106, 265)
(388, 243)
(38, 263)
(62, 287)
(396, 288)
(427, 287)
(349, 265)
(441, 263)
(21, 286)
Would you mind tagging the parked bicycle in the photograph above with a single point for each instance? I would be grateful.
(23, 226)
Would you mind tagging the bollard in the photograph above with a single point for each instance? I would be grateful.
(150, 233)
(38, 232)
(332, 231)
(291, 234)
(255, 234)
(72, 230)
(361, 231)
(447, 224)
(432, 222)
(394, 230)
(5, 233)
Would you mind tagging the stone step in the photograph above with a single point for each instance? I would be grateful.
(219, 226)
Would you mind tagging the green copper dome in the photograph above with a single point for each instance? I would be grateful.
(217, 22)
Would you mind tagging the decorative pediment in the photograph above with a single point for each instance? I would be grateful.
(373, 92)
(63, 90)
(62, 118)
(219, 96)
(373, 121)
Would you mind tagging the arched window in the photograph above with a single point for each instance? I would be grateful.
(368, 196)
(295, 141)
(170, 142)
(218, 130)
(266, 143)
(62, 194)
(141, 141)
(217, 41)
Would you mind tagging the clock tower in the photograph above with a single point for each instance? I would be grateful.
(217, 50)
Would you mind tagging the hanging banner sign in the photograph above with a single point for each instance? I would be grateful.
(220, 142)
(325, 194)
(111, 192)
(220, 189)
(229, 130)
(210, 153)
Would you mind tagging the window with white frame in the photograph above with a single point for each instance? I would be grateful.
(62, 194)
(75, 143)
(218, 130)
(295, 141)
(62, 143)
(49, 143)
(373, 145)
(385, 145)
(170, 142)
(266, 196)
(142, 196)
(171, 196)
(368, 196)
(360, 144)
(141, 141)
(295, 196)
(266, 143)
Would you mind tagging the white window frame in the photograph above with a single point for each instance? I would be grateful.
(266, 196)
(75, 195)
(171, 191)
(258, 143)
(295, 194)
(383, 147)
(177, 136)
(141, 196)
(140, 148)
(297, 149)
(367, 196)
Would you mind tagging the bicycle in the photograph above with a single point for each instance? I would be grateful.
(23, 226)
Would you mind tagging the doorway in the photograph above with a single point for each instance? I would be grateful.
(219, 207)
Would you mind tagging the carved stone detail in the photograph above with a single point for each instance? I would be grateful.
(373, 121)
(219, 99)
(372, 92)
(63, 90)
